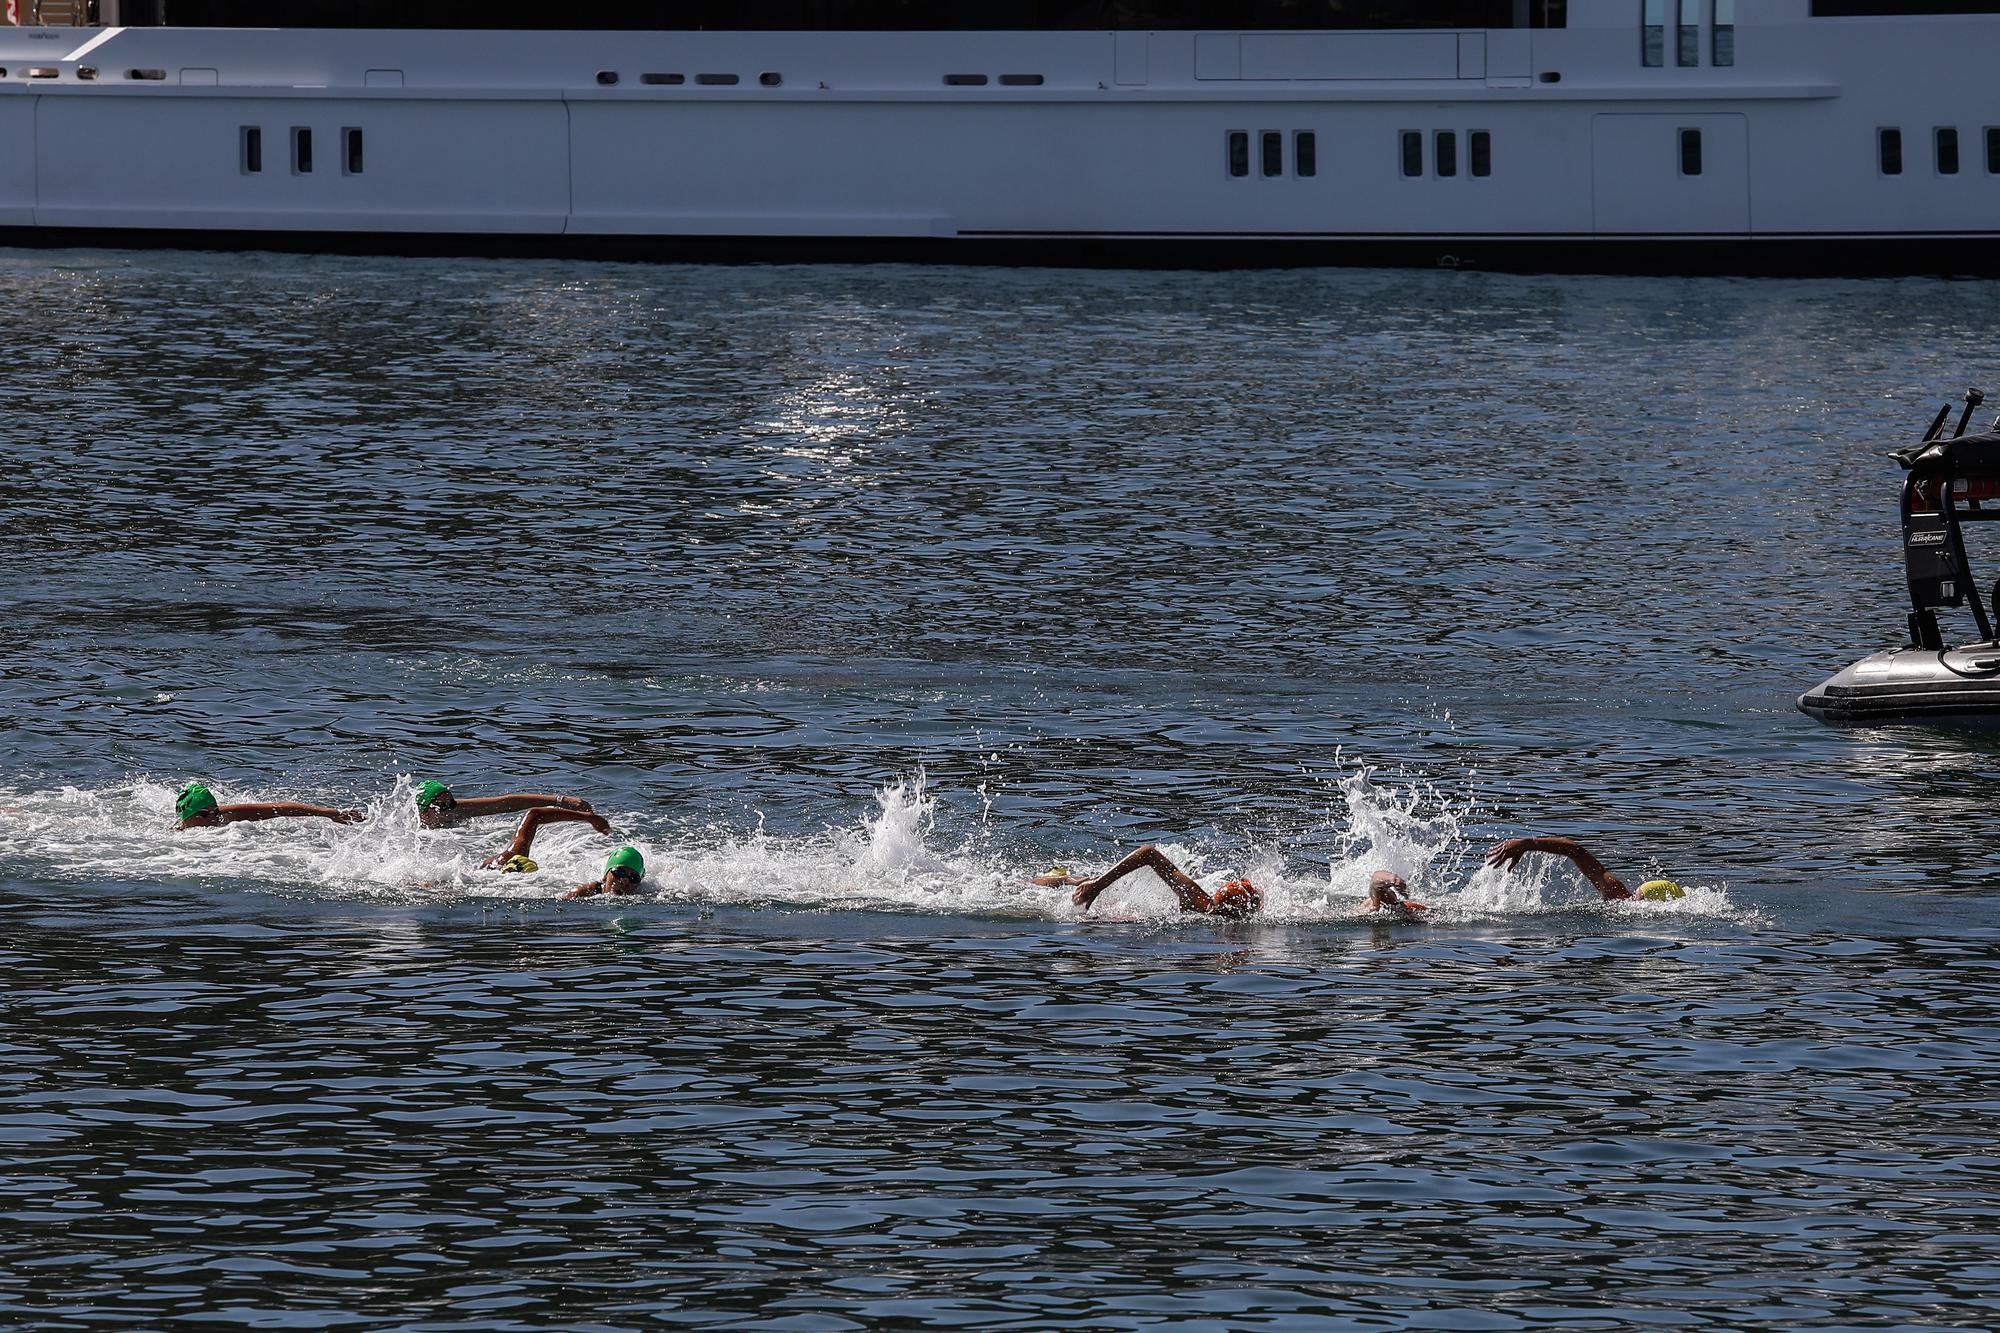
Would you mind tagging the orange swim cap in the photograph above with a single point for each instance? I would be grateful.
(1239, 897)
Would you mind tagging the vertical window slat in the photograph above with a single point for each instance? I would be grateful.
(253, 150)
(1889, 150)
(1947, 150)
(1480, 149)
(1273, 153)
(1445, 153)
(1305, 153)
(1722, 42)
(1687, 44)
(1413, 153)
(1239, 152)
(1653, 33)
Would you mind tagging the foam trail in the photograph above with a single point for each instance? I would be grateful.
(910, 853)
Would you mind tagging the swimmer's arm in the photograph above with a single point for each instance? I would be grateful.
(260, 810)
(472, 807)
(1193, 898)
(1608, 885)
(590, 890)
(531, 823)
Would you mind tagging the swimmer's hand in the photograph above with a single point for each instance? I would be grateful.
(348, 816)
(575, 803)
(1509, 853)
(598, 822)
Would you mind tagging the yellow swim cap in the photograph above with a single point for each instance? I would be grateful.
(518, 865)
(1659, 890)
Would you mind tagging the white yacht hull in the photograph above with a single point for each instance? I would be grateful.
(1104, 147)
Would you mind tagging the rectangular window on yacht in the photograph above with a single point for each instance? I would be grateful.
(1413, 153)
(1445, 153)
(350, 151)
(1690, 152)
(253, 150)
(1021, 80)
(1687, 49)
(1305, 153)
(302, 151)
(1947, 151)
(1890, 150)
(1479, 144)
(1274, 153)
(1653, 33)
(1239, 152)
(669, 80)
(1723, 40)
(1993, 150)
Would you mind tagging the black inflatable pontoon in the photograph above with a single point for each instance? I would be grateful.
(1953, 480)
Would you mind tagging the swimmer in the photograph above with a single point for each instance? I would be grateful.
(1237, 899)
(196, 807)
(623, 870)
(1390, 892)
(1609, 887)
(438, 808)
(516, 859)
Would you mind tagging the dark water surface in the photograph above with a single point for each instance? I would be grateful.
(855, 596)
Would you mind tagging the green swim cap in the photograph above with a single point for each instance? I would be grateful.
(194, 799)
(626, 858)
(1659, 890)
(429, 792)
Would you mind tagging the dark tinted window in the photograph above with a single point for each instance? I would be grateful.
(1480, 144)
(350, 151)
(1413, 153)
(1305, 153)
(1239, 152)
(1993, 149)
(1447, 153)
(1690, 152)
(253, 148)
(1274, 153)
(302, 151)
(1947, 151)
(1891, 150)
(1653, 33)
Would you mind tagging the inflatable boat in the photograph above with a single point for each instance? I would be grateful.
(1952, 480)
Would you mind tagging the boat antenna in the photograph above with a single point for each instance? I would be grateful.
(1973, 398)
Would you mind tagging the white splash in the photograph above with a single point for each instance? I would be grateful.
(911, 853)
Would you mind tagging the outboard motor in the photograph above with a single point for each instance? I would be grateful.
(1953, 480)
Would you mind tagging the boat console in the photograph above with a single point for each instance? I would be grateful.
(1952, 480)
